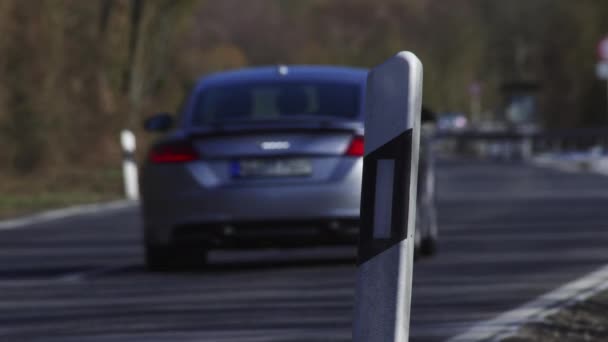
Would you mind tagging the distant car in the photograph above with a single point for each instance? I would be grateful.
(268, 156)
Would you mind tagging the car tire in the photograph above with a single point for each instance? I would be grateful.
(429, 239)
(157, 258)
(417, 244)
(168, 258)
(427, 225)
(428, 246)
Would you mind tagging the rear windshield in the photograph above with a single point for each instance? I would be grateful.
(277, 101)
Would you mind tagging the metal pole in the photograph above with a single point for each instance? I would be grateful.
(476, 110)
(388, 200)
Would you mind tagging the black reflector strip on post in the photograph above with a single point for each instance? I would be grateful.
(373, 239)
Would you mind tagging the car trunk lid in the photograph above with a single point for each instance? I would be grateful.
(276, 152)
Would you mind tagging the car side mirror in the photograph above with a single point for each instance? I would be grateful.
(161, 122)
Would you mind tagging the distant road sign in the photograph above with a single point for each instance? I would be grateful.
(601, 70)
(602, 49)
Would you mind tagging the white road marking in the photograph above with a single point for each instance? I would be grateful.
(93, 273)
(53, 215)
(585, 163)
(568, 166)
(234, 335)
(552, 195)
(536, 310)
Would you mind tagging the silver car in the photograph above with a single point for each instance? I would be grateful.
(262, 157)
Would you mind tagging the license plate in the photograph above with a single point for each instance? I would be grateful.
(293, 167)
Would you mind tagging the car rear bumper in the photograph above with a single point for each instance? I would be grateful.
(269, 233)
(211, 210)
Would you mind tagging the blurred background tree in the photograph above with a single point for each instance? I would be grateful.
(73, 73)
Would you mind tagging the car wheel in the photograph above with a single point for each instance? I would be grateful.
(428, 246)
(426, 225)
(417, 243)
(167, 258)
(157, 258)
(428, 242)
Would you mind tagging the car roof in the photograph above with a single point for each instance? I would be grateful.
(288, 73)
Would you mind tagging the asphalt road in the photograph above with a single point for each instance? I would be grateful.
(509, 233)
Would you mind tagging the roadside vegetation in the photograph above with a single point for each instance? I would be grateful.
(73, 73)
(48, 190)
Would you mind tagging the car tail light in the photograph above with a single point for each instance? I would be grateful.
(355, 149)
(173, 152)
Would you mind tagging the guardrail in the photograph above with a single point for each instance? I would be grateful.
(513, 145)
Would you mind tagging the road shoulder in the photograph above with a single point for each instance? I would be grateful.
(539, 310)
(57, 214)
(574, 311)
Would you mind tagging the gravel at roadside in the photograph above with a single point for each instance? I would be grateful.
(585, 321)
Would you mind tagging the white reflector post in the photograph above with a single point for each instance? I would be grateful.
(129, 166)
(388, 200)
